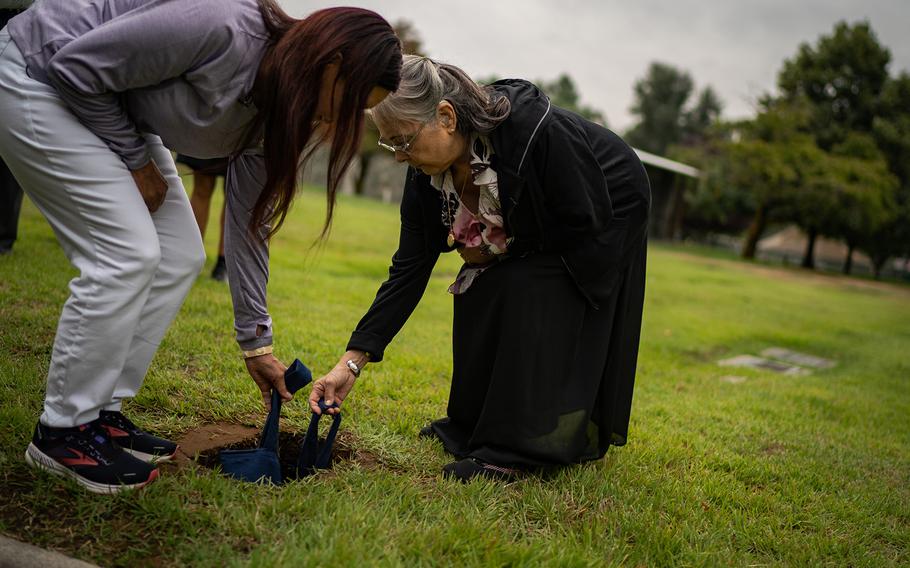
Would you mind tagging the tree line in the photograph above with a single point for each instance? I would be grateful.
(830, 153)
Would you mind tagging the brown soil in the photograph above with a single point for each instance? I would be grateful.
(213, 437)
(202, 445)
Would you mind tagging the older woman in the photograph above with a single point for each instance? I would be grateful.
(93, 96)
(549, 213)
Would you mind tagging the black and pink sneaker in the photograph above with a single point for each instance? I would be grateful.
(134, 440)
(87, 455)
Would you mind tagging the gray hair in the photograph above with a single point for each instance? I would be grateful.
(425, 83)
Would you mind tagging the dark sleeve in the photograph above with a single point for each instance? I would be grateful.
(409, 274)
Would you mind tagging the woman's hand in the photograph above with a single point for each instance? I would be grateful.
(152, 185)
(268, 374)
(333, 387)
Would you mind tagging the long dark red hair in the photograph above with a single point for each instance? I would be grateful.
(286, 94)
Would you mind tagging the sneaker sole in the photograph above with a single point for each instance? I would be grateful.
(149, 458)
(39, 460)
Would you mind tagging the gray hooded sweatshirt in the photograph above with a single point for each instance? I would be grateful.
(180, 69)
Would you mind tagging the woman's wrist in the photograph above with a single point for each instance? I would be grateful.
(257, 352)
(353, 362)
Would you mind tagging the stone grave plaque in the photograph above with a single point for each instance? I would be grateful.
(798, 358)
(753, 362)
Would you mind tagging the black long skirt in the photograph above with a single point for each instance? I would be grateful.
(540, 377)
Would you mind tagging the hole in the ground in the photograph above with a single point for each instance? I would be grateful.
(203, 444)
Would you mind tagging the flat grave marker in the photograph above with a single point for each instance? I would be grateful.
(753, 362)
(797, 358)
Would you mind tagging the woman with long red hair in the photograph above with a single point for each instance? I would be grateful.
(93, 97)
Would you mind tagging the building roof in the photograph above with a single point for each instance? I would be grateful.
(667, 164)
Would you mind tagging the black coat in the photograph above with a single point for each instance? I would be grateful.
(566, 185)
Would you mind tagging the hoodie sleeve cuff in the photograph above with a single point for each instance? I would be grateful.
(372, 344)
(247, 339)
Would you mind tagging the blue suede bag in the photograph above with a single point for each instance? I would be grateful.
(262, 464)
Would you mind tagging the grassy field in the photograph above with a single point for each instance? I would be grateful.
(772, 470)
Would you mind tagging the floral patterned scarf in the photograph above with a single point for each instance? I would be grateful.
(483, 230)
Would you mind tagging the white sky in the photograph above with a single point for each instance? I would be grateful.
(737, 46)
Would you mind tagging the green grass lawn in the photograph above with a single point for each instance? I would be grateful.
(774, 470)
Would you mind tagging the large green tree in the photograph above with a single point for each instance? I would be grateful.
(865, 192)
(831, 153)
(849, 195)
(763, 165)
(891, 126)
(891, 129)
(775, 169)
(892, 239)
(843, 76)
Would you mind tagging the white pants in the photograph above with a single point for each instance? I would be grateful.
(135, 268)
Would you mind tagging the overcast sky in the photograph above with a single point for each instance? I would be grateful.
(736, 46)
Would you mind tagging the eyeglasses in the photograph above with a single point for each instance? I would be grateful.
(404, 147)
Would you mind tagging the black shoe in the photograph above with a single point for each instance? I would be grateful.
(133, 440)
(469, 468)
(219, 273)
(88, 456)
(427, 432)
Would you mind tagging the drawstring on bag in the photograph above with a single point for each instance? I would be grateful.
(311, 456)
(261, 464)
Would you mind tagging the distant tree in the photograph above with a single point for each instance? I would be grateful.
(564, 94)
(848, 196)
(762, 167)
(668, 125)
(369, 146)
(842, 76)
(411, 43)
(715, 205)
(659, 105)
(892, 239)
(891, 126)
(776, 170)
(702, 136)
(698, 121)
(865, 192)
(773, 173)
(845, 78)
(891, 130)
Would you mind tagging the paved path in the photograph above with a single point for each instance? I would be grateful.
(15, 554)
